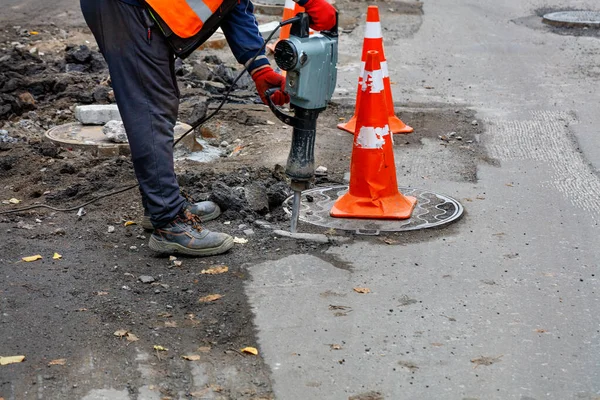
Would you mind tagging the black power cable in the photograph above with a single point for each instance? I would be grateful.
(195, 125)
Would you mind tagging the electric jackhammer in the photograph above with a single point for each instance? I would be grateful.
(310, 62)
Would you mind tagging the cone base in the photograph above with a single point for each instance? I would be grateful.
(396, 126)
(393, 207)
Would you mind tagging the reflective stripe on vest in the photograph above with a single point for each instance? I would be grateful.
(185, 17)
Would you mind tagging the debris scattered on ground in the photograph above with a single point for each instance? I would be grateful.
(56, 256)
(146, 279)
(192, 357)
(250, 350)
(115, 132)
(210, 298)
(32, 258)
(11, 360)
(220, 269)
(238, 240)
(362, 290)
(411, 366)
(367, 396)
(160, 348)
(60, 361)
(485, 361)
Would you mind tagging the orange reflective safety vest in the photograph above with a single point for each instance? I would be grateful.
(185, 17)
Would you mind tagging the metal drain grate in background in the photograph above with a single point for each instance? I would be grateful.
(432, 210)
(573, 19)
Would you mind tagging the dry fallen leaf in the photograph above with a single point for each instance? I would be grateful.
(160, 348)
(204, 349)
(220, 269)
(192, 357)
(56, 256)
(389, 241)
(209, 298)
(34, 33)
(60, 361)
(129, 223)
(250, 350)
(11, 360)
(120, 333)
(240, 240)
(102, 294)
(177, 263)
(485, 360)
(131, 337)
(32, 258)
(14, 201)
(541, 331)
(362, 290)
(335, 347)
(170, 324)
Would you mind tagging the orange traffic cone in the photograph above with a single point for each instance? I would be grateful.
(373, 187)
(374, 41)
(290, 9)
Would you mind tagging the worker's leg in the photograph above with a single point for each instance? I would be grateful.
(142, 73)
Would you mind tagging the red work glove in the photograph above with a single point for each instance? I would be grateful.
(322, 14)
(265, 78)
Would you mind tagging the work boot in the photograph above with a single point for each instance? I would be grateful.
(206, 210)
(184, 235)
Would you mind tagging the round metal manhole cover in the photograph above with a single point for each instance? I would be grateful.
(90, 137)
(574, 19)
(432, 210)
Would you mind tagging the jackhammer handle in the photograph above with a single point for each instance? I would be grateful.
(283, 117)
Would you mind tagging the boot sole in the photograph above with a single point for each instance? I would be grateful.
(147, 225)
(170, 248)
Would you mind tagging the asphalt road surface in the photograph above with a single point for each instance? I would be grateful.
(502, 305)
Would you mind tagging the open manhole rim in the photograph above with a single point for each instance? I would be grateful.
(397, 225)
(573, 19)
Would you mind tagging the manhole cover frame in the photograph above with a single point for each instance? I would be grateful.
(573, 19)
(429, 204)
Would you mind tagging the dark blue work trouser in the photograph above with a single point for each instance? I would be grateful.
(142, 72)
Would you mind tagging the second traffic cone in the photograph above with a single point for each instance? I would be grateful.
(373, 189)
(374, 41)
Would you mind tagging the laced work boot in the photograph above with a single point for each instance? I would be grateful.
(206, 210)
(184, 235)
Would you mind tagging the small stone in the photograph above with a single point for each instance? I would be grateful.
(241, 227)
(97, 114)
(224, 143)
(133, 248)
(321, 170)
(111, 229)
(125, 287)
(347, 177)
(474, 122)
(115, 131)
(147, 279)
(248, 232)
